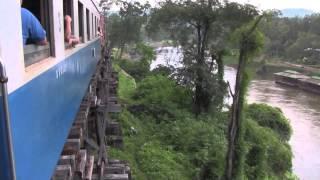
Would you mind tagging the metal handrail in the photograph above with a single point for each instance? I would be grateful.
(7, 128)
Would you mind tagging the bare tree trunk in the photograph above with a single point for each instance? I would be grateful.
(201, 101)
(235, 122)
(234, 155)
(220, 65)
(121, 50)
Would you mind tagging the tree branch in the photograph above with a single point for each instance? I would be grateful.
(230, 89)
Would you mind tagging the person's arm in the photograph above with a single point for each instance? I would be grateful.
(42, 42)
(37, 33)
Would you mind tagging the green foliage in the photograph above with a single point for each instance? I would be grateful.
(272, 118)
(293, 39)
(268, 154)
(127, 85)
(202, 28)
(147, 53)
(161, 91)
(140, 68)
(182, 146)
(203, 141)
(250, 39)
(159, 163)
(125, 28)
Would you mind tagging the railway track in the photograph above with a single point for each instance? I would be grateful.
(85, 153)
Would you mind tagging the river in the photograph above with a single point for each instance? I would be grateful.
(303, 111)
(301, 108)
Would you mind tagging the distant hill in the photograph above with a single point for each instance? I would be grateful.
(293, 12)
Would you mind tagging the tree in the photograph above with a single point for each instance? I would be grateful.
(250, 42)
(201, 27)
(125, 27)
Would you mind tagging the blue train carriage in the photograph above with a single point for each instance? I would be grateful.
(45, 83)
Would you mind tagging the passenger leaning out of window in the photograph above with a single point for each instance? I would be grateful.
(32, 30)
(68, 37)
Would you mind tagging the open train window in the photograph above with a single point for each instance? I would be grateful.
(92, 25)
(41, 9)
(68, 10)
(88, 24)
(80, 16)
(95, 25)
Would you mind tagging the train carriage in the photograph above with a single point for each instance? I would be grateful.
(45, 83)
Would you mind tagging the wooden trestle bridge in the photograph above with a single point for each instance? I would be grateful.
(84, 155)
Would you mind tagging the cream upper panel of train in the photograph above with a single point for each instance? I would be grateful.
(23, 63)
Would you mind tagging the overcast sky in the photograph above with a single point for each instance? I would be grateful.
(282, 4)
(271, 4)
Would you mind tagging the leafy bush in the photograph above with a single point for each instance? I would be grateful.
(267, 155)
(202, 142)
(138, 69)
(269, 117)
(161, 91)
(159, 163)
(165, 140)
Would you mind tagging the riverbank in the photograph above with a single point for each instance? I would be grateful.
(264, 67)
(303, 111)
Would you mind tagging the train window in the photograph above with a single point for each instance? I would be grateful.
(41, 9)
(80, 16)
(68, 10)
(71, 40)
(88, 24)
(92, 25)
(95, 25)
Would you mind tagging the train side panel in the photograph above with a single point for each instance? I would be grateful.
(42, 112)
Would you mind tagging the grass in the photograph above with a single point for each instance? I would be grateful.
(127, 84)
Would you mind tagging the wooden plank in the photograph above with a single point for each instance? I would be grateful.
(68, 160)
(62, 172)
(116, 177)
(112, 99)
(101, 173)
(81, 162)
(72, 146)
(113, 128)
(114, 108)
(115, 169)
(89, 168)
(76, 133)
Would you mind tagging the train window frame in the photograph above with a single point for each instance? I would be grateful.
(81, 21)
(92, 33)
(68, 9)
(95, 25)
(35, 53)
(88, 24)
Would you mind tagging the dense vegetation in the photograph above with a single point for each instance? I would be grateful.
(293, 39)
(165, 140)
(174, 121)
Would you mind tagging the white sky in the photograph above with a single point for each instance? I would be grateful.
(271, 4)
(282, 4)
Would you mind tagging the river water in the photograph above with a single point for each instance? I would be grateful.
(301, 108)
(303, 111)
